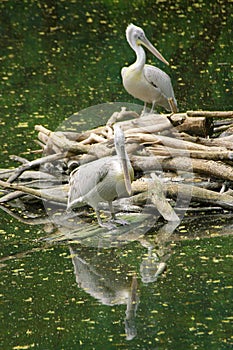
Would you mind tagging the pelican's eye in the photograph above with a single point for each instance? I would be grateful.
(140, 37)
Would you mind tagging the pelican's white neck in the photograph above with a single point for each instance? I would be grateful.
(140, 57)
(133, 34)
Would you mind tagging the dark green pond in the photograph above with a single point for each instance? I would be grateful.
(57, 58)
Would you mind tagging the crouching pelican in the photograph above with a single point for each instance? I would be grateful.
(102, 180)
(145, 82)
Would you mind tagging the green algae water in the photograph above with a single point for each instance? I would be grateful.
(57, 58)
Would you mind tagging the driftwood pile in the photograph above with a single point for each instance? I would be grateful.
(182, 161)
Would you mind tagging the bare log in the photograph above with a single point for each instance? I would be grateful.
(207, 167)
(210, 114)
(178, 142)
(33, 164)
(42, 194)
(117, 116)
(152, 191)
(11, 196)
(194, 193)
(19, 159)
(159, 200)
(199, 154)
(4, 173)
(200, 126)
(223, 142)
(228, 128)
(84, 135)
(105, 149)
(200, 195)
(60, 141)
(149, 149)
(29, 175)
(148, 124)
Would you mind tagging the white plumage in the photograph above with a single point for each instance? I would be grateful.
(145, 82)
(102, 180)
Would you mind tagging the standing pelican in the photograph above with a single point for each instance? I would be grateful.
(102, 180)
(145, 82)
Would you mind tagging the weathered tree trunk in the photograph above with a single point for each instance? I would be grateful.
(202, 166)
(210, 114)
(154, 143)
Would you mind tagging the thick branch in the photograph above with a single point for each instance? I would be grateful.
(200, 195)
(202, 166)
(210, 114)
(194, 193)
(33, 164)
(60, 141)
(174, 152)
(43, 194)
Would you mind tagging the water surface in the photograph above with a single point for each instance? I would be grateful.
(59, 57)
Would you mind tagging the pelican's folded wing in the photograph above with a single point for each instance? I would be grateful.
(84, 179)
(159, 79)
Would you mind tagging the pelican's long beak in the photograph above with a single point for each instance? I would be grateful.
(119, 140)
(126, 173)
(144, 41)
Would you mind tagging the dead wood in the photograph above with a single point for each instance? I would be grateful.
(202, 166)
(29, 175)
(45, 194)
(178, 142)
(156, 192)
(11, 196)
(155, 123)
(200, 195)
(58, 142)
(210, 114)
(148, 124)
(194, 193)
(197, 126)
(223, 142)
(117, 116)
(173, 144)
(174, 152)
(33, 164)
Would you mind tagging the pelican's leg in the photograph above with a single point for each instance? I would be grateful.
(107, 225)
(152, 107)
(113, 215)
(143, 111)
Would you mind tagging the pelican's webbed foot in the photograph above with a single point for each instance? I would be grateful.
(108, 225)
(114, 219)
(119, 221)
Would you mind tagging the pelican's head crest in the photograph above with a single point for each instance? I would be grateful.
(136, 37)
(134, 33)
